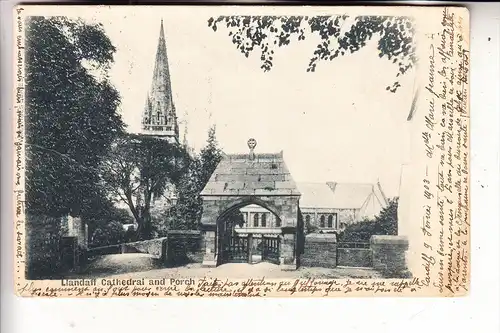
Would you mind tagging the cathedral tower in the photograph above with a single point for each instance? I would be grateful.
(159, 117)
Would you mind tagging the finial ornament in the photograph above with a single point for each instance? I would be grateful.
(252, 143)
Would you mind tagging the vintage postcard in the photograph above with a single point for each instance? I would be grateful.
(225, 151)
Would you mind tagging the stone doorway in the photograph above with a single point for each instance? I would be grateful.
(252, 179)
(252, 235)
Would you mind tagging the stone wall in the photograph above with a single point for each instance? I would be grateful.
(184, 246)
(320, 250)
(389, 255)
(285, 207)
(343, 217)
(77, 228)
(104, 250)
(215, 207)
(209, 241)
(43, 235)
(153, 247)
(354, 257)
(287, 251)
(179, 247)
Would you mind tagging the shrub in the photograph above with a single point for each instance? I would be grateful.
(310, 229)
(110, 234)
(386, 223)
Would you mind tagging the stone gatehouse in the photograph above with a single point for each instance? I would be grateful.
(251, 179)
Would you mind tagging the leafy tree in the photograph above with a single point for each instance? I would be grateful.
(139, 170)
(163, 221)
(102, 211)
(388, 218)
(187, 210)
(71, 113)
(234, 218)
(339, 35)
(386, 223)
(210, 157)
(108, 234)
(189, 204)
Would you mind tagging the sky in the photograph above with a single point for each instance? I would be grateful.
(336, 124)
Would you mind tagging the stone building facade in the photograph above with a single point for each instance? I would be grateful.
(328, 207)
(251, 202)
(45, 255)
(75, 227)
(333, 206)
(249, 180)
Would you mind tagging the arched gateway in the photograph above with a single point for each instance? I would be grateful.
(251, 179)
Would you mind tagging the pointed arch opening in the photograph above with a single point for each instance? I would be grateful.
(248, 230)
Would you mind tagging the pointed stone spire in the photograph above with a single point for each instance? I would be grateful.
(159, 116)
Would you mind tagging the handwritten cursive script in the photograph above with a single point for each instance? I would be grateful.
(445, 143)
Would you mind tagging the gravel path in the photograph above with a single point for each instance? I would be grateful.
(134, 265)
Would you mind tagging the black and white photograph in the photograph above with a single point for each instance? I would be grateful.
(176, 144)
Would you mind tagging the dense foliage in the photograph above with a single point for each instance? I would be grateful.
(338, 35)
(71, 114)
(103, 211)
(140, 169)
(79, 160)
(188, 209)
(108, 234)
(386, 223)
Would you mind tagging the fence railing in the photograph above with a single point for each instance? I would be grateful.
(353, 245)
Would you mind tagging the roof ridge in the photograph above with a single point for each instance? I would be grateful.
(277, 154)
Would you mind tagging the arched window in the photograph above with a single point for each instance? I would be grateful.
(158, 113)
(308, 219)
(330, 221)
(278, 222)
(322, 221)
(256, 220)
(263, 221)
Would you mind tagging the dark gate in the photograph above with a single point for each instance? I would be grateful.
(271, 249)
(69, 253)
(235, 249)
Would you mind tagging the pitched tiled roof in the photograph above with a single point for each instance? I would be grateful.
(338, 195)
(348, 195)
(315, 195)
(237, 174)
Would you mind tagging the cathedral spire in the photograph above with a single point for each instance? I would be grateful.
(159, 116)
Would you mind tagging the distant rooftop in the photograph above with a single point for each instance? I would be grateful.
(251, 174)
(339, 195)
(315, 195)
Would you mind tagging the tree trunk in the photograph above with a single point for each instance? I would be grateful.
(140, 229)
(147, 231)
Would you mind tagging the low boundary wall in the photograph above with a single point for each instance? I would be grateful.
(320, 250)
(386, 254)
(179, 247)
(354, 257)
(389, 255)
